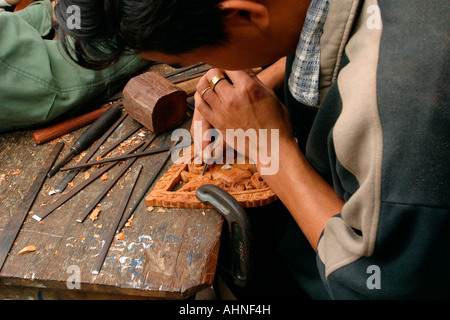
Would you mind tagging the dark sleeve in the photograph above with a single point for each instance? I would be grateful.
(389, 164)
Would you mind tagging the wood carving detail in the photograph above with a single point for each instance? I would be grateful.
(242, 181)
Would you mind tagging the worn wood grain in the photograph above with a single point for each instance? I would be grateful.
(164, 255)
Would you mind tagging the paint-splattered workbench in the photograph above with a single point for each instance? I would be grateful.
(166, 253)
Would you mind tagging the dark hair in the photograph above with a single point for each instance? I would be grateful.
(109, 27)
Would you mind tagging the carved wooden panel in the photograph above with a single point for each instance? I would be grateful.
(177, 186)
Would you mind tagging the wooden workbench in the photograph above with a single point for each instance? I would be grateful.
(165, 255)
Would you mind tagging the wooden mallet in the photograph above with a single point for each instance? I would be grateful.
(155, 102)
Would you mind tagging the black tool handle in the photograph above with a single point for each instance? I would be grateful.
(239, 231)
(97, 129)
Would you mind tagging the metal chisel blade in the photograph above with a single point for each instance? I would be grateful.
(65, 181)
(110, 237)
(69, 177)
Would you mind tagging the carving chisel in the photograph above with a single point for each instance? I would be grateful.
(110, 184)
(204, 168)
(89, 136)
(65, 181)
(56, 204)
(144, 191)
(12, 229)
(125, 137)
(112, 231)
(118, 158)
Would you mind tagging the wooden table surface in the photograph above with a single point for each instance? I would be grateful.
(167, 253)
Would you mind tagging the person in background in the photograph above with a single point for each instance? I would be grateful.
(38, 81)
(363, 135)
(5, 4)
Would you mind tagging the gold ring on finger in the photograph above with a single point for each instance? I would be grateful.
(215, 80)
(204, 91)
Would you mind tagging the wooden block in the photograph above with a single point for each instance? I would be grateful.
(155, 102)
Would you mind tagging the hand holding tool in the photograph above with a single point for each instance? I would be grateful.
(94, 132)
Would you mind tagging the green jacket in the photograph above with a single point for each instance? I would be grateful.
(38, 82)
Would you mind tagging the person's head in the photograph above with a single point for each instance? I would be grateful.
(230, 34)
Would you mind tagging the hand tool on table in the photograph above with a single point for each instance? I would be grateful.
(183, 70)
(110, 184)
(144, 191)
(67, 126)
(196, 72)
(69, 176)
(235, 255)
(95, 131)
(118, 158)
(117, 143)
(12, 228)
(56, 204)
(112, 231)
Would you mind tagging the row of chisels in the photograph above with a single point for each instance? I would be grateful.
(93, 138)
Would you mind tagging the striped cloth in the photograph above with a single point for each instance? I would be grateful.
(304, 77)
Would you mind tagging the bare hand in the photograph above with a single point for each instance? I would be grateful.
(242, 102)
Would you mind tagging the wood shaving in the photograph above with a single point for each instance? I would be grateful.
(27, 249)
(104, 177)
(87, 175)
(161, 210)
(128, 224)
(94, 215)
(150, 209)
(120, 236)
(15, 172)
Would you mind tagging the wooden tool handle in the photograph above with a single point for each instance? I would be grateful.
(67, 126)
